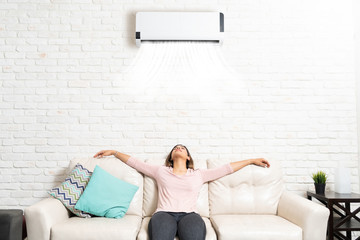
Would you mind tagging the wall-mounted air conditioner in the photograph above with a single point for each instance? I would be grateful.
(179, 26)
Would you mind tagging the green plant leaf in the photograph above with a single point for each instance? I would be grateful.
(319, 177)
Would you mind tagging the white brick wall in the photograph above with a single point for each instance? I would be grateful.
(64, 93)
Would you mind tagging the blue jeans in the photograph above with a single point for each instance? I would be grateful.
(165, 225)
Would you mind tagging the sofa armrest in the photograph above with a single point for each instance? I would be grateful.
(310, 216)
(41, 216)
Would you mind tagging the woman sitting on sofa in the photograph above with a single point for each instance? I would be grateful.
(178, 188)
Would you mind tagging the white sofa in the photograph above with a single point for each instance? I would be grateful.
(248, 204)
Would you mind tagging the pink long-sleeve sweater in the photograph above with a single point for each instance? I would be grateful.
(178, 193)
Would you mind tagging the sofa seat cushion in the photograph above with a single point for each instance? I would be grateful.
(143, 234)
(249, 227)
(97, 228)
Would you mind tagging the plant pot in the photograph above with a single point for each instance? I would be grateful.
(320, 188)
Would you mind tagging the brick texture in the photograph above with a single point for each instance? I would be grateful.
(64, 91)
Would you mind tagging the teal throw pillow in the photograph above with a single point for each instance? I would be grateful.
(106, 195)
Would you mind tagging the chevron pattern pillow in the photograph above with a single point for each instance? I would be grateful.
(71, 189)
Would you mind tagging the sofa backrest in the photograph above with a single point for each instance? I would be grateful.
(120, 170)
(251, 190)
(151, 192)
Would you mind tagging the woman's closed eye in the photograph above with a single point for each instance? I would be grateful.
(179, 147)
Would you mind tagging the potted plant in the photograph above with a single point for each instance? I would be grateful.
(320, 181)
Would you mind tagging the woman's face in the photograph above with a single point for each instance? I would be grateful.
(179, 150)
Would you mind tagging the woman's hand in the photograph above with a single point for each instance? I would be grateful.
(104, 153)
(260, 162)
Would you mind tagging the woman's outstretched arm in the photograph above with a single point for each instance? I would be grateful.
(145, 168)
(123, 157)
(229, 168)
(257, 161)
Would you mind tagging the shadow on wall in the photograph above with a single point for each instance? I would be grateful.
(130, 28)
